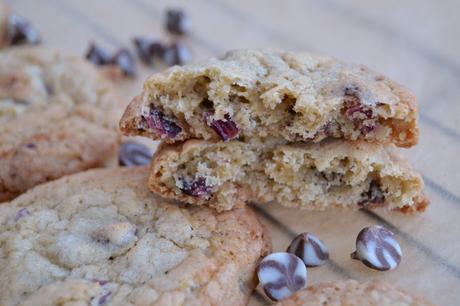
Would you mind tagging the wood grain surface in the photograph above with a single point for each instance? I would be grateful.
(416, 42)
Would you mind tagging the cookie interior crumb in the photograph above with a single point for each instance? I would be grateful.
(313, 176)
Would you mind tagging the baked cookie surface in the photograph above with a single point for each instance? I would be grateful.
(263, 93)
(102, 238)
(353, 293)
(303, 175)
(58, 116)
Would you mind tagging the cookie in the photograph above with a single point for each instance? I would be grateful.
(58, 116)
(262, 93)
(102, 238)
(305, 175)
(354, 293)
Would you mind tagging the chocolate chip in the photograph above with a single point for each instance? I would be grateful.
(226, 129)
(97, 55)
(177, 22)
(177, 54)
(148, 49)
(373, 196)
(281, 275)
(104, 298)
(162, 124)
(125, 61)
(21, 213)
(310, 249)
(21, 31)
(134, 154)
(196, 188)
(31, 145)
(377, 248)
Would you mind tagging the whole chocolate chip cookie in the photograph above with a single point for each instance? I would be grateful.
(58, 116)
(263, 93)
(353, 293)
(102, 238)
(332, 173)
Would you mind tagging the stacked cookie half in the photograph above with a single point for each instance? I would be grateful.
(300, 129)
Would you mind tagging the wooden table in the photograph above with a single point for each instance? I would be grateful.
(415, 42)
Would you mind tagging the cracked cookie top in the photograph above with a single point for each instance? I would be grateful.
(298, 96)
(101, 237)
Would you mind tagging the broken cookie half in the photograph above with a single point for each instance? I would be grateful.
(224, 175)
(260, 93)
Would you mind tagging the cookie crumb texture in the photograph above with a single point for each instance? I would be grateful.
(58, 116)
(102, 238)
(256, 93)
(353, 293)
(310, 175)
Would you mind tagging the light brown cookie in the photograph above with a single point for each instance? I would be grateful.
(338, 173)
(58, 116)
(353, 293)
(263, 93)
(102, 238)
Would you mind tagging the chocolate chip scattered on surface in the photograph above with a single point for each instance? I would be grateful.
(177, 54)
(377, 248)
(124, 61)
(97, 55)
(148, 49)
(281, 275)
(310, 249)
(133, 154)
(21, 31)
(177, 22)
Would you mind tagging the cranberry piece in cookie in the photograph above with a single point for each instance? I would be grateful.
(227, 128)
(196, 188)
(162, 124)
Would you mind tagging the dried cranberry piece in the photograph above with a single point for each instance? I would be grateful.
(227, 129)
(355, 111)
(162, 124)
(367, 128)
(196, 188)
(374, 195)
